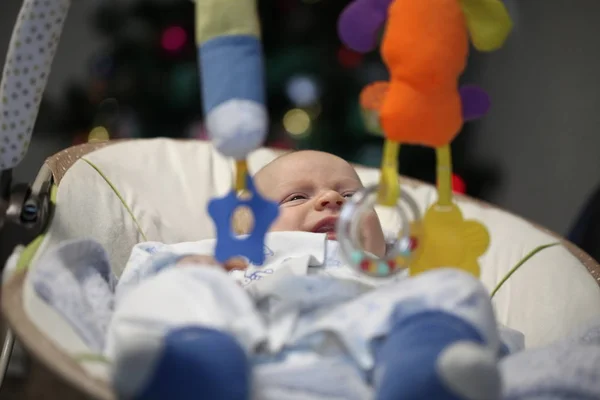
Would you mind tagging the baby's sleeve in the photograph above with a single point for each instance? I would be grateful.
(137, 267)
(512, 340)
(149, 258)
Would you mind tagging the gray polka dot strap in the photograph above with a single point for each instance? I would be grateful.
(32, 48)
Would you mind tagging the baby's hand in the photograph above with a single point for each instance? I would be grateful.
(197, 259)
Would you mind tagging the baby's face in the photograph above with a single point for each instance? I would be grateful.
(310, 188)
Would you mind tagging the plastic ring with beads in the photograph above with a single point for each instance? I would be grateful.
(399, 253)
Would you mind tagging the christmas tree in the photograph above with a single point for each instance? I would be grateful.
(145, 83)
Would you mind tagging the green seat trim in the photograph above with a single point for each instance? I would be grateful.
(119, 196)
(91, 357)
(31, 249)
(520, 264)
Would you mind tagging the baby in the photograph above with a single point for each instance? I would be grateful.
(303, 325)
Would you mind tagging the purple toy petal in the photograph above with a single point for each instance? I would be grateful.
(382, 5)
(359, 24)
(475, 102)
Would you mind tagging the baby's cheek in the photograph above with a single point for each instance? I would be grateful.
(277, 225)
(286, 221)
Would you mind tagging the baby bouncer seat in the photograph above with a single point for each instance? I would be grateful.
(120, 193)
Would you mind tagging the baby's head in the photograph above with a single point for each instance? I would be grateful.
(310, 188)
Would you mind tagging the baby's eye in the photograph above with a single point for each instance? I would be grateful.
(295, 197)
(348, 195)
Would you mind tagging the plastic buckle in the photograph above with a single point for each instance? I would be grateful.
(25, 206)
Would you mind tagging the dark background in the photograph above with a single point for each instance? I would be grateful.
(536, 153)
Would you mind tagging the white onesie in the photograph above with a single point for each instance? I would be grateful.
(304, 315)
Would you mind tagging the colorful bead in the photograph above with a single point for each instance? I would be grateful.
(364, 265)
(383, 269)
(392, 264)
(357, 257)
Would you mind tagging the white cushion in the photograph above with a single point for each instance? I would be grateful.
(167, 185)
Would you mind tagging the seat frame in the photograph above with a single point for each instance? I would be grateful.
(67, 371)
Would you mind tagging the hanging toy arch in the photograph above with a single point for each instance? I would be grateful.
(421, 104)
(233, 93)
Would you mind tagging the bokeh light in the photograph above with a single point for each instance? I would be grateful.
(302, 90)
(174, 38)
(458, 184)
(349, 58)
(297, 122)
(98, 134)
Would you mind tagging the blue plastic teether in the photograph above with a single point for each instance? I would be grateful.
(251, 246)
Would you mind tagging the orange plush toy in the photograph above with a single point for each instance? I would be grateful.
(425, 47)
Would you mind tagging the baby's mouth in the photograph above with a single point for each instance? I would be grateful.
(327, 225)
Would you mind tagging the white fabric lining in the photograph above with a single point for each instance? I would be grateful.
(168, 183)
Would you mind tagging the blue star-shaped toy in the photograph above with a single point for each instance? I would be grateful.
(252, 246)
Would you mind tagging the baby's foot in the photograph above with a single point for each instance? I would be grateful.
(436, 356)
(470, 370)
(192, 363)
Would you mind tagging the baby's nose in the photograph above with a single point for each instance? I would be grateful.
(330, 199)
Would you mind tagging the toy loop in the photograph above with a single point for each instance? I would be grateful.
(399, 253)
(251, 246)
(241, 172)
(389, 187)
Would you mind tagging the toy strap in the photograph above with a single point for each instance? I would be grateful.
(31, 51)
